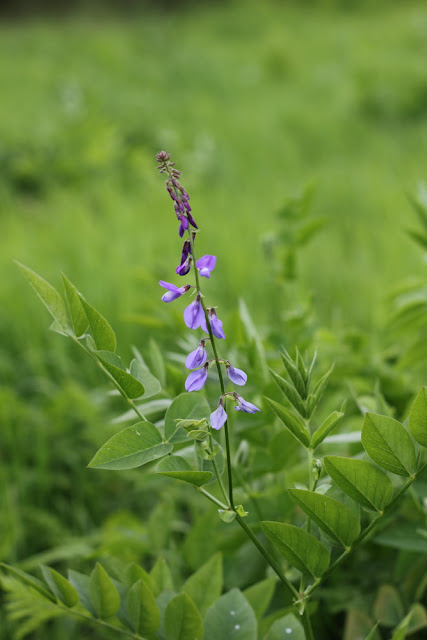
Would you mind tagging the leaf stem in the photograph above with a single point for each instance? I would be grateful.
(212, 498)
(113, 380)
(269, 558)
(365, 532)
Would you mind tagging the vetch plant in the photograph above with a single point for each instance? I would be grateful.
(341, 504)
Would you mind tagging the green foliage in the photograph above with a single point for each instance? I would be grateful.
(182, 619)
(388, 444)
(178, 468)
(231, 616)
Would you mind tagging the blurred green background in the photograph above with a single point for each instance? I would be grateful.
(253, 100)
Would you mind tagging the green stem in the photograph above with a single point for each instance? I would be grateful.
(366, 531)
(220, 376)
(306, 622)
(113, 380)
(269, 558)
(212, 498)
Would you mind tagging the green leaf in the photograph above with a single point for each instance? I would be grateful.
(187, 406)
(130, 385)
(178, 468)
(227, 515)
(418, 418)
(301, 549)
(157, 361)
(205, 585)
(290, 392)
(60, 586)
(286, 627)
(325, 428)
(47, 294)
(294, 375)
(134, 573)
(361, 480)
(339, 522)
(231, 616)
(29, 580)
(143, 611)
(139, 371)
(182, 619)
(81, 584)
(161, 576)
(103, 594)
(389, 444)
(102, 333)
(318, 391)
(260, 595)
(418, 617)
(291, 422)
(372, 635)
(77, 313)
(131, 448)
(388, 606)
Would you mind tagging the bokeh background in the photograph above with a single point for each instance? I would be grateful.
(254, 100)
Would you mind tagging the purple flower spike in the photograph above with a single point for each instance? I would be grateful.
(196, 379)
(173, 292)
(194, 314)
(219, 416)
(183, 225)
(216, 324)
(244, 405)
(237, 376)
(205, 265)
(191, 220)
(196, 357)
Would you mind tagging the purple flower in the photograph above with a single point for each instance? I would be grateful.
(196, 357)
(216, 324)
(191, 220)
(184, 267)
(219, 416)
(237, 376)
(173, 292)
(244, 405)
(194, 314)
(183, 226)
(196, 379)
(205, 265)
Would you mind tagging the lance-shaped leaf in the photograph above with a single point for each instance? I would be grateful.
(361, 480)
(81, 584)
(77, 313)
(389, 444)
(102, 333)
(337, 520)
(260, 595)
(143, 611)
(178, 468)
(302, 550)
(28, 579)
(103, 594)
(60, 586)
(325, 428)
(161, 577)
(231, 616)
(291, 422)
(132, 387)
(290, 392)
(294, 374)
(319, 388)
(287, 627)
(418, 418)
(131, 448)
(48, 295)
(182, 619)
(205, 586)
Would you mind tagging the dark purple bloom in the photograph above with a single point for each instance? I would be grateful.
(205, 265)
(237, 376)
(191, 220)
(216, 324)
(184, 267)
(196, 379)
(219, 416)
(196, 357)
(173, 292)
(244, 405)
(194, 314)
(183, 226)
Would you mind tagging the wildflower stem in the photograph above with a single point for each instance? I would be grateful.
(221, 379)
(271, 561)
(212, 498)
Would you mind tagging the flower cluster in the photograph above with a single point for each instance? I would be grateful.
(197, 314)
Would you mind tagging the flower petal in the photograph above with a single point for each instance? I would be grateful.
(196, 379)
(193, 314)
(196, 357)
(218, 417)
(244, 405)
(237, 376)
